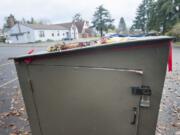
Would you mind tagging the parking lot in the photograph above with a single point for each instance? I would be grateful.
(13, 118)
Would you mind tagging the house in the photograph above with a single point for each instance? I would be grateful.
(1, 33)
(73, 30)
(26, 33)
(2, 37)
(82, 26)
(84, 29)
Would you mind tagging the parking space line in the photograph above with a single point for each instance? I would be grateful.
(8, 82)
(6, 64)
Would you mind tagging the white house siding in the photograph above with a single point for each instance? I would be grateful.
(26, 33)
(1, 34)
(85, 26)
(55, 35)
(74, 33)
(21, 34)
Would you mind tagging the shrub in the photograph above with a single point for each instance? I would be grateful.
(49, 40)
(175, 31)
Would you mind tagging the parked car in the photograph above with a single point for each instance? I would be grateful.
(2, 39)
(8, 41)
(65, 39)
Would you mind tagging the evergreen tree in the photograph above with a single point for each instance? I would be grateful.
(140, 19)
(151, 15)
(102, 20)
(146, 18)
(77, 18)
(152, 21)
(32, 21)
(159, 15)
(176, 8)
(122, 26)
(23, 20)
(167, 14)
(10, 21)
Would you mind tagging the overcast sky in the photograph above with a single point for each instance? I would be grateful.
(57, 11)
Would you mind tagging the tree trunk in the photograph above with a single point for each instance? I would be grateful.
(164, 27)
(101, 31)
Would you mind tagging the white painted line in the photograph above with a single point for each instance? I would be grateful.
(8, 82)
(6, 64)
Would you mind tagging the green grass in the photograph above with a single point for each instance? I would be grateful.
(177, 43)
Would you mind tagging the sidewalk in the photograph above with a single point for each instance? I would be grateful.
(169, 112)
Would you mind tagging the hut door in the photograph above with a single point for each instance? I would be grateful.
(85, 101)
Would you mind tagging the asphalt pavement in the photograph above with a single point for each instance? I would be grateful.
(13, 117)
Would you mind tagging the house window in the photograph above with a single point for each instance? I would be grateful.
(67, 34)
(52, 34)
(17, 37)
(41, 34)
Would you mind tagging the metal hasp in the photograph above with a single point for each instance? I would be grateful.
(88, 91)
(143, 90)
(145, 93)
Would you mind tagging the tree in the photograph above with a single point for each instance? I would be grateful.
(140, 19)
(122, 26)
(167, 14)
(152, 21)
(10, 21)
(159, 15)
(151, 16)
(43, 21)
(32, 21)
(23, 20)
(102, 20)
(175, 31)
(77, 17)
(146, 18)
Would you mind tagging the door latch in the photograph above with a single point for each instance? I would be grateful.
(145, 93)
(143, 90)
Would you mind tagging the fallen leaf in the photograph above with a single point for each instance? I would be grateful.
(177, 133)
(177, 124)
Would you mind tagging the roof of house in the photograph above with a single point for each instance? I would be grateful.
(45, 26)
(79, 26)
(67, 25)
